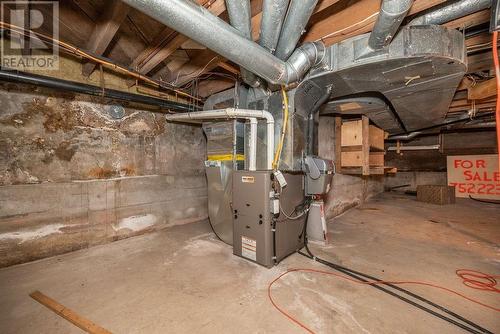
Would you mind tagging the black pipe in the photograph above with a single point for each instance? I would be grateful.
(450, 122)
(76, 87)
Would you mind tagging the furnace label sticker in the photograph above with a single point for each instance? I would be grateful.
(249, 248)
(247, 179)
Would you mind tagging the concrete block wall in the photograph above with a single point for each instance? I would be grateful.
(72, 177)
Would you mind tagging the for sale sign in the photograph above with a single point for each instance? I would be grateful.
(474, 175)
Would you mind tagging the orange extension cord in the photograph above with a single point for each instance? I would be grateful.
(497, 74)
(471, 278)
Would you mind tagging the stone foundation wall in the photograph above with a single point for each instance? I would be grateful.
(72, 176)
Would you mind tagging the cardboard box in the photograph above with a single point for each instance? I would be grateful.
(436, 194)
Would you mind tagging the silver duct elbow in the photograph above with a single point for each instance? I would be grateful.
(392, 13)
(240, 18)
(299, 13)
(303, 58)
(449, 12)
(273, 15)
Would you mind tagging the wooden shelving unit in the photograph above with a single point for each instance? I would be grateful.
(360, 147)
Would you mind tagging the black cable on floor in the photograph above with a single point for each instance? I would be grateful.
(364, 278)
(482, 200)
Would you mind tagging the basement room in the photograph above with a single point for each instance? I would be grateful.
(249, 166)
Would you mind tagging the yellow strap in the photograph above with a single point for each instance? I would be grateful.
(225, 157)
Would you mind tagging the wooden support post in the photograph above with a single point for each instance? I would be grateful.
(365, 133)
(338, 144)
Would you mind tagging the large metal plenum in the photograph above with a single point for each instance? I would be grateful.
(224, 146)
(415, 76)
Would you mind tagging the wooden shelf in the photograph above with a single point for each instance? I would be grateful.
(360, 147)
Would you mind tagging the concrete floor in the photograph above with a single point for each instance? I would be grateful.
(183, 280)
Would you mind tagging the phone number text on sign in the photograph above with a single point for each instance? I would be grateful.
(474, 175)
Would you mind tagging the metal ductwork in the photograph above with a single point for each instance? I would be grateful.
(451, 11)
(296, 19)
(273, 15)
(201, 26)
(240, 18)
(392, 13)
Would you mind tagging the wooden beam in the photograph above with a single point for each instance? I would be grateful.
(86, 7)
(480, 39)
(216, 8)
(356, 19)
(70, 315)
(209, 87)
(482, 90)
(464, 84)
(104, 31)
(468, 103)
(480, 62)
(324, 4)
(229, 68)
(157, 43)
(470, 20)
(204, 62)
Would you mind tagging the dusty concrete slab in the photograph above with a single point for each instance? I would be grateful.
(183, 280)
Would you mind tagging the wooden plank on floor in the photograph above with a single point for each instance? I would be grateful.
(68, 314)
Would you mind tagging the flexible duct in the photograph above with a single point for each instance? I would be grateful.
(231, 113)
(240, 18)
(450, 12)
(392, 13)
(298, 15)
(201, 26)
(273, 15)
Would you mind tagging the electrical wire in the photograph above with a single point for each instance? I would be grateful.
(497, 74)
(73, 49)
(190, 74)
(290, 216)
(455, 318)
(277, 155)
(340, 32)
(478, 280)
(372, 283)
(482, 200)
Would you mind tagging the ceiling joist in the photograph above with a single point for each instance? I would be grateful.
(105, 29)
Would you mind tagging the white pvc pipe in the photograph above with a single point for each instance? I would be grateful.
(231, 113)
(252, 145)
